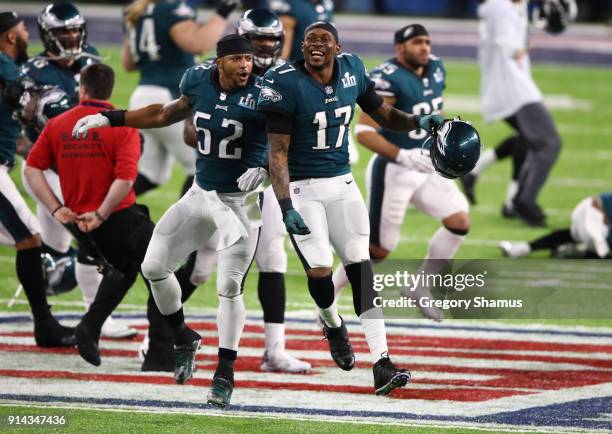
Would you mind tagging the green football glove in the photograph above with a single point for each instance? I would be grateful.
(294, 223)
(427, 122)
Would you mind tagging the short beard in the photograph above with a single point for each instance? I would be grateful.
(413, 63)
(22, 51)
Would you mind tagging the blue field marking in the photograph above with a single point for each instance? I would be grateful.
(577, 414)
(390, 325)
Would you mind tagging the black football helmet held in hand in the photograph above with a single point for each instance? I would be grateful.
(454, 148)
(62, 30)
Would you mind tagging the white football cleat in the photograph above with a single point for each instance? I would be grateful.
(116, 330)
(280, 361)
(514, 250)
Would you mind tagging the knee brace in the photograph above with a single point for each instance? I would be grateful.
(153, 270)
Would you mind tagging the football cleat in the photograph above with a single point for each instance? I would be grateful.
(339, 345)
(115, 330)
(468, 182)
(281, 361)
(507, 211)
(87, 344)
(532, 215)
(387, 377)
(514, 249)
(221, 389)
(185, 355)
(50, 333)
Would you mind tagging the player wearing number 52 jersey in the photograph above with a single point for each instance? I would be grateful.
(162, 37)
(309, 105)
(221, 98)
(400, 172)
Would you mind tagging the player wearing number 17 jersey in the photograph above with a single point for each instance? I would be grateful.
(309, 105)
(221, 98)
(400, 172)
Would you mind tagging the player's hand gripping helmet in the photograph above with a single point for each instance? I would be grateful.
(62, 30)
(455, 148)
(553, 15)
(263, 24)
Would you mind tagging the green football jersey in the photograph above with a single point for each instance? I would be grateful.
(320, 114)
(413, 94)
(231, 133)
(160, 61)
(9, 128)
(304, 12)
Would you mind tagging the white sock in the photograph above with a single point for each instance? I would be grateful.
(88, 279)
(374, 329)
(444, 244)
(330, 316)
(484, 161)
(275, 337)
(340, 280)
(167, 294)
(511, 191)
(231, 316)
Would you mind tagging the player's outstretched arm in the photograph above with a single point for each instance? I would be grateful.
(151, 116)
(396, 120)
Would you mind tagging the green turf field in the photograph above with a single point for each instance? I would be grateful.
(581, 171)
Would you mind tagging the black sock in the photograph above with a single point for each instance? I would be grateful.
(322, 291)
(552, 240)
(187, 185)
(227, 359)
(142, 185)
(518, 158)
(271, 292)
(361, 277)
(30, 275)
(183, 275)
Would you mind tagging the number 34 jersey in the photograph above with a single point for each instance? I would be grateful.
(231, 133)
(320, 114)
(413, 94)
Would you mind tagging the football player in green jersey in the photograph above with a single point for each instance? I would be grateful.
(309, 104)
(162, 37)
(265, 31)
(400, 172)
(221, 98)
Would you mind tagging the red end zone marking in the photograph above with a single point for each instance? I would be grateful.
(455, 394)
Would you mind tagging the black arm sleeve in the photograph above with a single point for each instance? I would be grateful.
(278, 122)
(370, 101)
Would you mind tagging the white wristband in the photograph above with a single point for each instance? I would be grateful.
(363, 128)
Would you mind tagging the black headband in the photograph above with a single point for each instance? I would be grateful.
(234, 44)
(325, 26)
(409, 32)
(8, 20)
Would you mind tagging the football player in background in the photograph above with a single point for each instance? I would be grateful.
(221, 98)
(63, 31)
(17, 223)
(588, 236)
(161, 40)
(508, 92)
(308, 105)
(400, 172)
(265, 31)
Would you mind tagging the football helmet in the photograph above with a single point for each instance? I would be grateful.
(56, 25)
(52, 101)
(454, 148)
(553, 16)
(59, 272)
(263, 24)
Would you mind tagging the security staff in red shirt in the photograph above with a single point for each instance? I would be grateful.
(96, 177)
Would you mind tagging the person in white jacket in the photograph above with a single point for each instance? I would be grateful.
(509, 93)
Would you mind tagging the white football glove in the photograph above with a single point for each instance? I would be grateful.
(252, 178)
(87, 123)
(415, 159)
